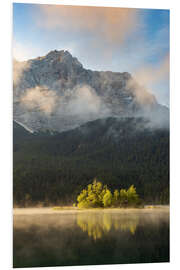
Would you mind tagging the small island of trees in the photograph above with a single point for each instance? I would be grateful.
(98, 195)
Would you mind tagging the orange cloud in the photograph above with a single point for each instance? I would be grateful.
(110, 24)
(149, 75)
(40, 98)
(145, 77)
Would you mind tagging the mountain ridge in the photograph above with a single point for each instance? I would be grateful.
(55, 92)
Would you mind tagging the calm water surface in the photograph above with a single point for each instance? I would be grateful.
(58, 238)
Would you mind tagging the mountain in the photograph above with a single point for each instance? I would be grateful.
(20, 131)
(56, 93)
(117, 151)
(72, 124)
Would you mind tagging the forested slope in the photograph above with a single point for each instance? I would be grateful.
(118, 152)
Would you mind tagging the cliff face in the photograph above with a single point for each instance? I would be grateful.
(55, 92)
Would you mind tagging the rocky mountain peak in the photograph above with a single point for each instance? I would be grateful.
(55, 92)
(56, 56)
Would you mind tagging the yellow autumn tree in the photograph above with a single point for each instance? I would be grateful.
(92, 196)
(98, 195)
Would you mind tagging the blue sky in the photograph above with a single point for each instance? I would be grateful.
(133, 40)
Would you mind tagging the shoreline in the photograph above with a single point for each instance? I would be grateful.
(75, 210)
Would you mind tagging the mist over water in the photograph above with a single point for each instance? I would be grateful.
(52, 238)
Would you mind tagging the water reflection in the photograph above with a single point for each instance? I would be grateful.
(90, 237)
(98, 225)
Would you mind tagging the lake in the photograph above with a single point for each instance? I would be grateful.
(44, 237)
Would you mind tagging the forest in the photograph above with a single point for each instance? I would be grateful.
(52, 169)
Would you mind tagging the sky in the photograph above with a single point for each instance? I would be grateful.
(116, 39)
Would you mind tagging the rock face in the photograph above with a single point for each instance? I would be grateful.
(55, 92)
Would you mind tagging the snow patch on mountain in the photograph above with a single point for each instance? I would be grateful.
(24, 126)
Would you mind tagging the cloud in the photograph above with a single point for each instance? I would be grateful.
(153, 78)
(40, 98)
(23, 51)
(20, 51)
(149, 75)
(96, 35)
(86, 103)
(107, 24)
(140, 93)
(77, 105)
(115, 39)
(144, 79)
(18, 69)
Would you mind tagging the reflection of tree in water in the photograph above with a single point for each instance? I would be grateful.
(97, 225)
